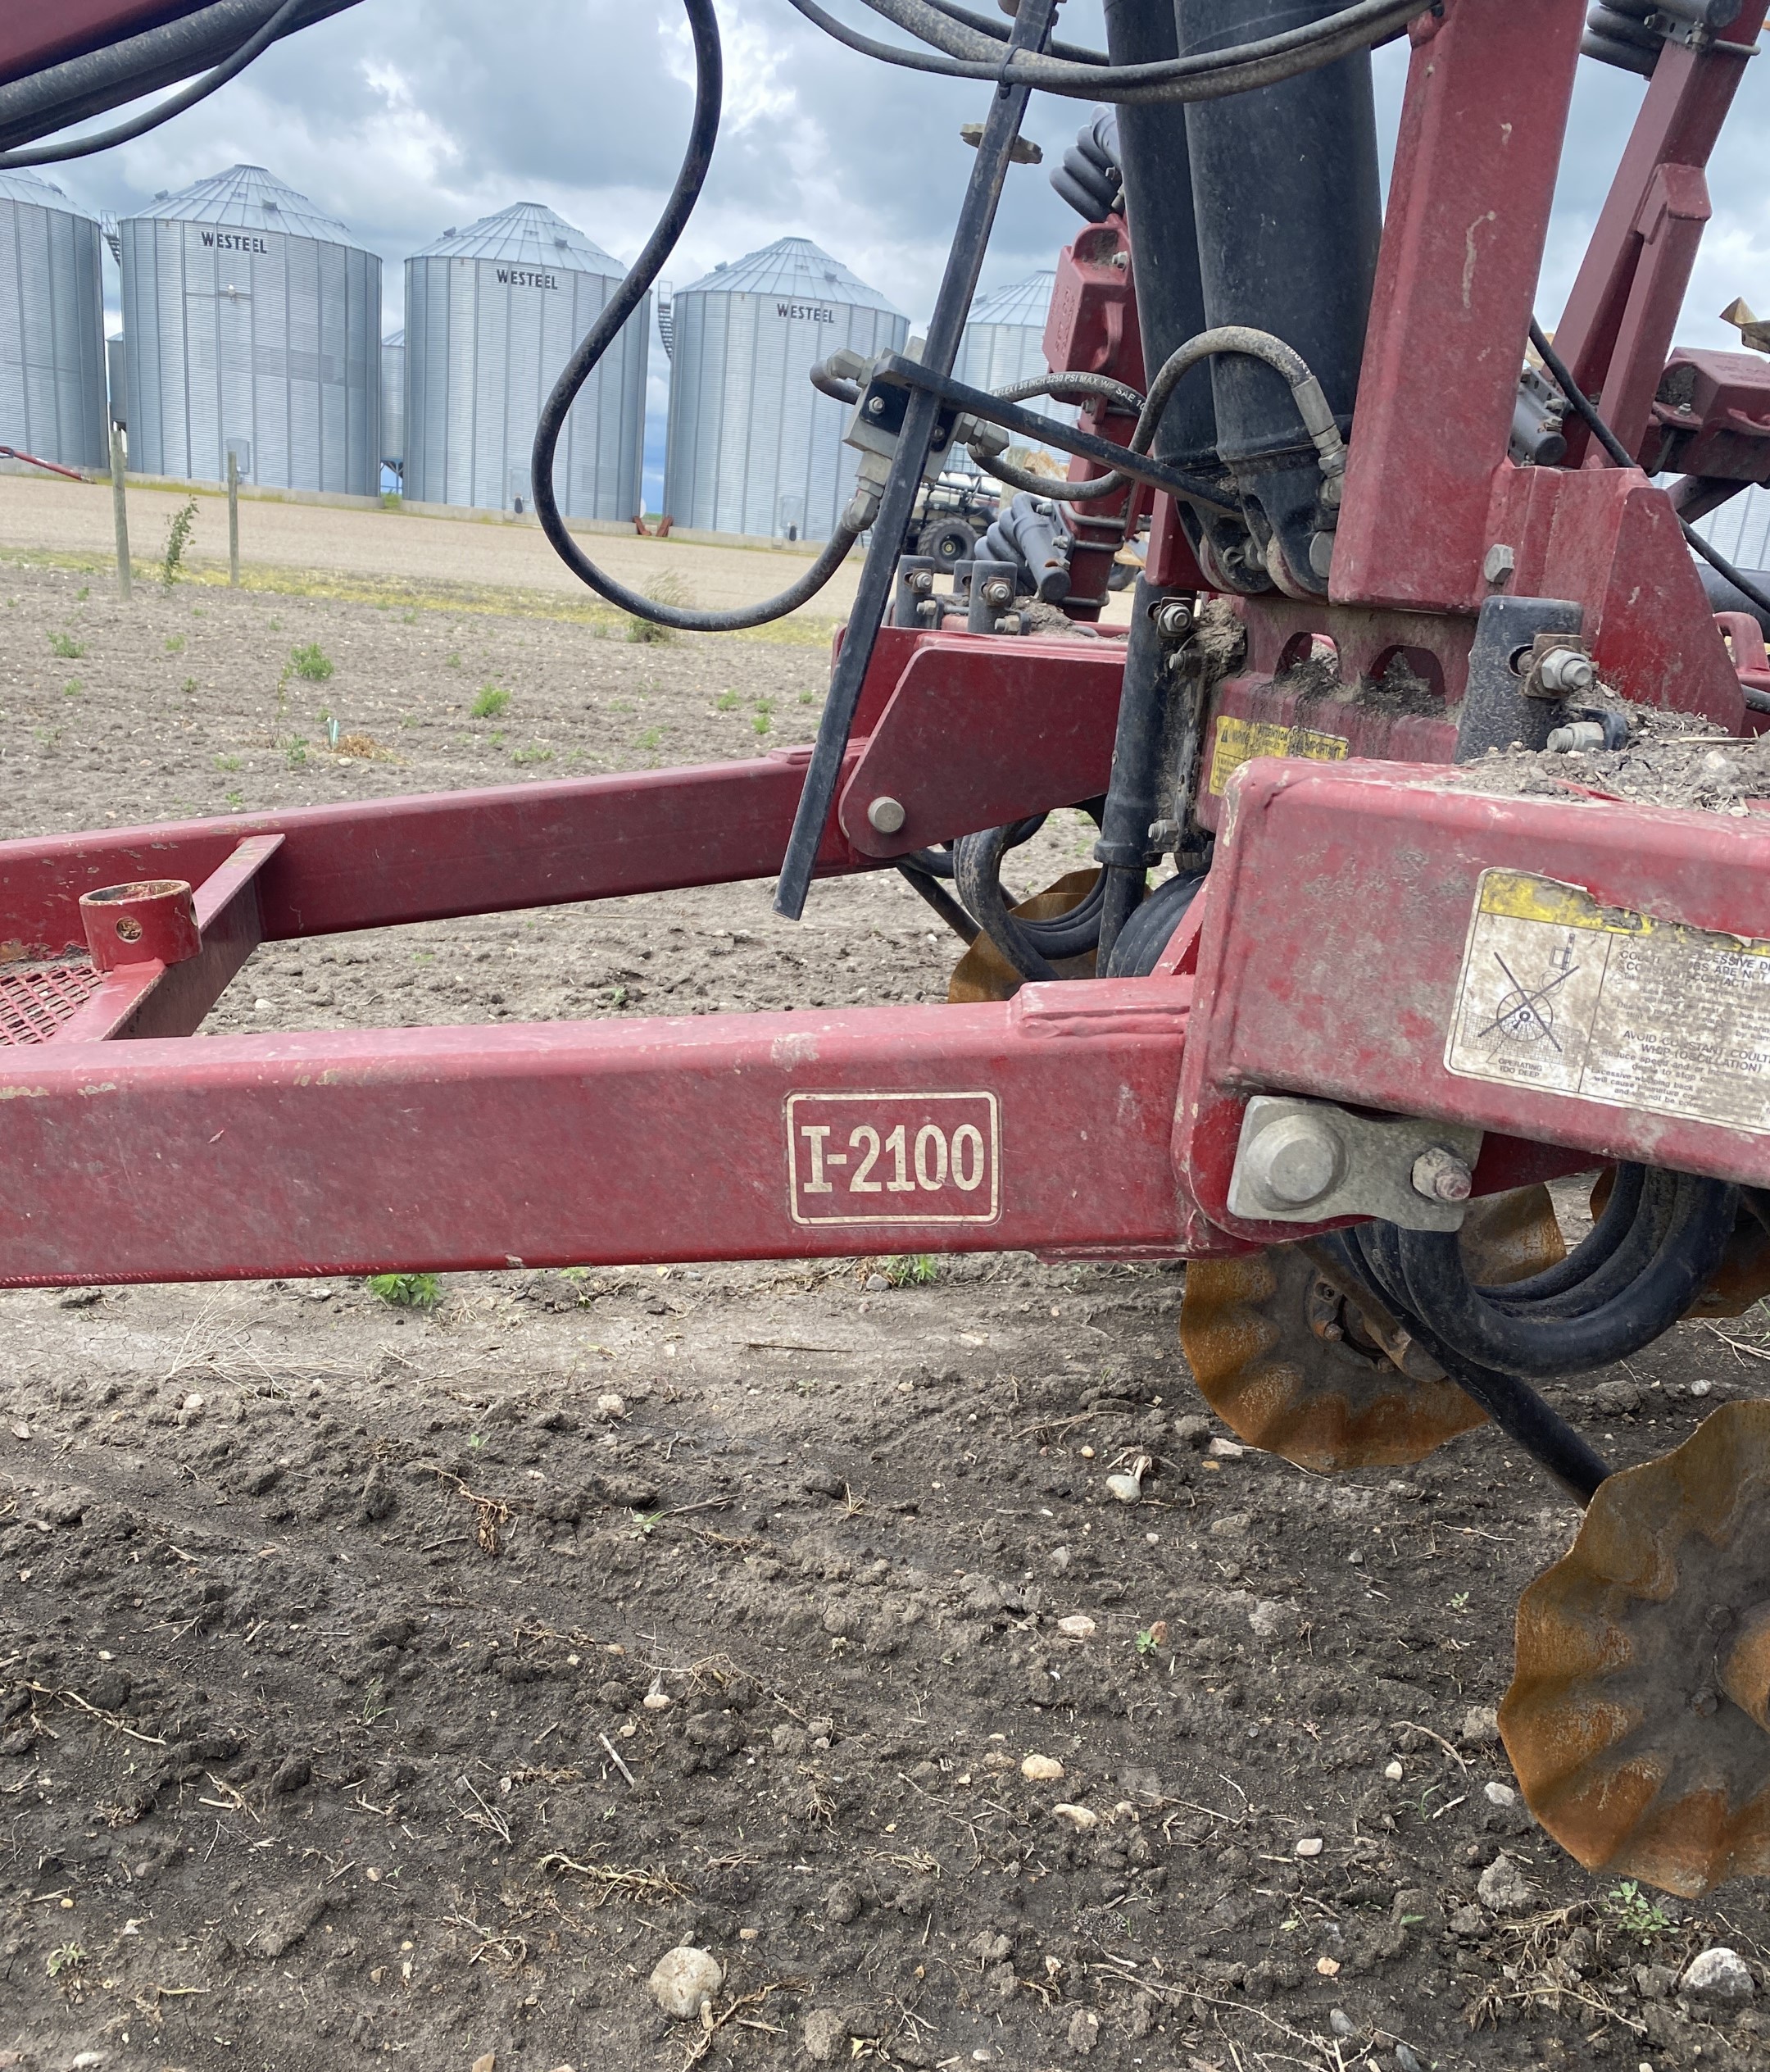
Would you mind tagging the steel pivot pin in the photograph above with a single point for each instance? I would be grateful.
(1294, 1162)
(885, 815)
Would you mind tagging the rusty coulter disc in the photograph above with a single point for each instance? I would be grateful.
(983, 973)
(1293, 1366)
(1636, 1718)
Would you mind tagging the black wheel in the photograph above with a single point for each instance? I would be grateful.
(947, 541)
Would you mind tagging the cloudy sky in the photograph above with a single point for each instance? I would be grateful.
(406, 117)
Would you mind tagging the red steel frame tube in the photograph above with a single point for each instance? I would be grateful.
(1044, 1121)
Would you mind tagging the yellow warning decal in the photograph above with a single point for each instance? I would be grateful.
(1239, 741)
(1559, 993)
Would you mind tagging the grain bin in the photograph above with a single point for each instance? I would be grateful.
(393, 401)
(251, 322)
(52, 325)
(1003, 341)
(753, 446)
(492, 314)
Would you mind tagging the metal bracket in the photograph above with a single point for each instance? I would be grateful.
(1310, 1161)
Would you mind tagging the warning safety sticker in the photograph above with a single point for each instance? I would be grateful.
(1239, 741)
(1562, 994)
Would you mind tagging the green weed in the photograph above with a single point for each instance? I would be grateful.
(67, 647)
(73, 687)
(69, 1956)
(405, 1291)
(175, 644)
(311, 663)
(490, 703)
(177, 538)
(917, 1270)
(761, 722)
(727, 702)
(535, 754)
(1636, 1912)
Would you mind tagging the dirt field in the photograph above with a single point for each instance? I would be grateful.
(388, 1685)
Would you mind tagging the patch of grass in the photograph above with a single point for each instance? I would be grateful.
(83, 592)
(188, 685)
(184, 524)
(392, 500)
(67, 1956)
(490, 702)
(727, 702)
(456, 600)
(667, 589)
(73, 687)
(915, 1269)
(298, 752)
(175, 644)
(227, 762)
(761, 722)
(405, 1291)
(311, 663)
(536, 753)
(67, 647)
(652, 737)
(236, 802)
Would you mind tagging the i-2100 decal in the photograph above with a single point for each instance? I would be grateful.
(893, 1157)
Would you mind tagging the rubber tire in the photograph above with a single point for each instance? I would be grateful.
(948, 541)
(1145, 936)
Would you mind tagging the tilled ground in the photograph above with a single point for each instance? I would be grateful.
(388, 1683)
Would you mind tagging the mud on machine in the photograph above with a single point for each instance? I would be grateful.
(1390, 987)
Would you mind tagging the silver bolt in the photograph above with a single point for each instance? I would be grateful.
(885, 815)
(1441, 1176)
(1582, 733)
(998, 591)
(1567, 672)
(1294, 1162)
(1172, 619)
(1498, 566)
(876, 407)
(1164, 834)
(921, 580)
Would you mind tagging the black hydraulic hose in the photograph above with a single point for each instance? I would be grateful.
(1512, 1404)
(997, 31)
(1122, 851)
(1587, 413)
(957, 52)
(702, 135)
(139, 125)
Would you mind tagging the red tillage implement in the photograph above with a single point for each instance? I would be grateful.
(1390, 989)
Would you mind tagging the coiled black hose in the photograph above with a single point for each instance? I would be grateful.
(1032, 947)
(1659, 1239)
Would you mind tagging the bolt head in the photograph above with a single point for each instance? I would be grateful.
(1499, 564)
(1294, 1160)
(1173, 619)
(876, 407)
(1567, 672)
(1439, 1175)
(885, 815)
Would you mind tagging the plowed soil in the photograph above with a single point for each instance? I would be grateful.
(396, 1684)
